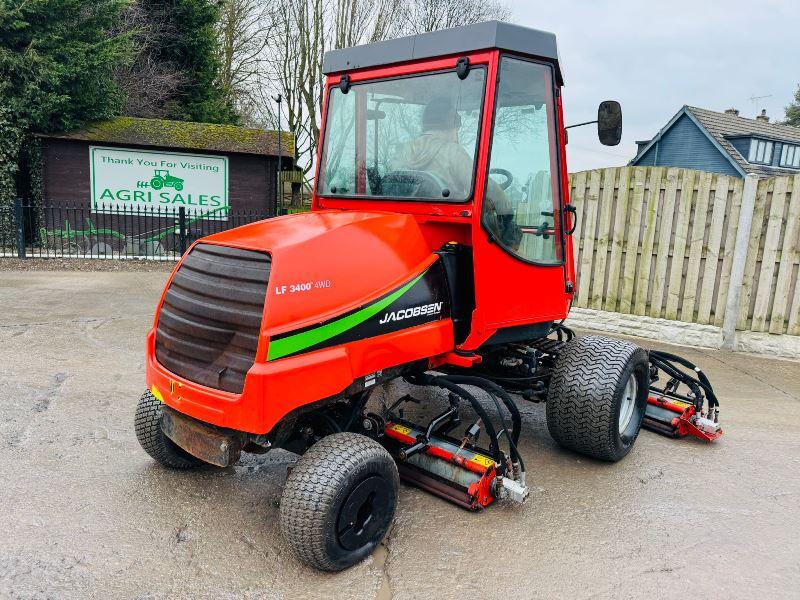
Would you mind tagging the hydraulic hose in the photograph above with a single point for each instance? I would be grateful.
(701, 380)
(682, 378)
(559, 329)
(442, 382)
(495, 391)
(332, 422)
(664, 360)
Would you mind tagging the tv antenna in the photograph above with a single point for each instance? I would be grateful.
(755, 99)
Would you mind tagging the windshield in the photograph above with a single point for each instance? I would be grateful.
(406, 138)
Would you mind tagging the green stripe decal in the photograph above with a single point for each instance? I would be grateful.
(300, 341)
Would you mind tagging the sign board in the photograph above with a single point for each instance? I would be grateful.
(126, 180)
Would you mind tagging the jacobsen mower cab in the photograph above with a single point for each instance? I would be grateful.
(439, 251)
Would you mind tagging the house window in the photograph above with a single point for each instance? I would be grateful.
(790, 156)
(760, 152)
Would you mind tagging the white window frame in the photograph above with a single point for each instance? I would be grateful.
(760, 152)
(790, 156)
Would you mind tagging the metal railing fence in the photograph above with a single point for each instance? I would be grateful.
(79, 231)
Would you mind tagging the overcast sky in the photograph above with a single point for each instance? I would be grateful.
(654, 56)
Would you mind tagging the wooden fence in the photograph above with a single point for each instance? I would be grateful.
(662, 242)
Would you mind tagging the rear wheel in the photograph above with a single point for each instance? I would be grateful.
(597, 396)
(339, 501)
(154, 441)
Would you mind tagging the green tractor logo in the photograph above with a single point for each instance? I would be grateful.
(163, 179)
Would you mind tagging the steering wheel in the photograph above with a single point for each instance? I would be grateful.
(507, 174)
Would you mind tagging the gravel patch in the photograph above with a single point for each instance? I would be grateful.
(85, 513)
(81, 264)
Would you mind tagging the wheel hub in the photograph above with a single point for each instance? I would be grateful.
(628, 402)
(363, 514)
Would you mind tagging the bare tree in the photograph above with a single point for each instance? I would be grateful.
(292, 36)
(422, 16)
(243, 31)
(301, 32)
(361, 21)
(148, 81)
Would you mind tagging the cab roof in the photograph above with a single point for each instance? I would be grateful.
(457, 40)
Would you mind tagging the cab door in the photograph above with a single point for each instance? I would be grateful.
(518, 242)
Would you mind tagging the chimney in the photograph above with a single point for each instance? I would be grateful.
(763, 116)
(732, 111)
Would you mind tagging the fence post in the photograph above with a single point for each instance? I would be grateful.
(182, 228)
(19, 221)
(734, 299)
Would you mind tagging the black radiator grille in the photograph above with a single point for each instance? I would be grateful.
(211, 317)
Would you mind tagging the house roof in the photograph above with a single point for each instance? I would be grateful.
(183, 135)
(456, 40)
(721, 127)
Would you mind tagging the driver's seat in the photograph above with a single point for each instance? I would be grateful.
(408, 183)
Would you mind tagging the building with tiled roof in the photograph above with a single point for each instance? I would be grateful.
(723, 142)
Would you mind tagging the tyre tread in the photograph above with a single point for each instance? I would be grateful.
(152, 439)
(312, 489)
(580, 401)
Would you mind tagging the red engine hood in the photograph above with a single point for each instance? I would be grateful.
(325, 263)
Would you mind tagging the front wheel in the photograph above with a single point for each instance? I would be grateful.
(597, 396)
(339, 501)
(153, 440)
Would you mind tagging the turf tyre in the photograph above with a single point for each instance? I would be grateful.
(585, 396)
(147, 425)
(322, 494)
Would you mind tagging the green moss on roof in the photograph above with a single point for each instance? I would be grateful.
(184, 135)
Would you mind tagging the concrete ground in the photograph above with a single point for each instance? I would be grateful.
(85, 513)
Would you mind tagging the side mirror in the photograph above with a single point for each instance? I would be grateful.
(609, 122)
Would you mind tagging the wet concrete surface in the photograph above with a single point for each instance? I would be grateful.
(84, 513)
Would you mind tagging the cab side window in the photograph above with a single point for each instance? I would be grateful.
(521, 205)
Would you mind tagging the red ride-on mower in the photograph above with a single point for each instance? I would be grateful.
(439, 251)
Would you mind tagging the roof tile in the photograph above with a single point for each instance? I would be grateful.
(722, 126)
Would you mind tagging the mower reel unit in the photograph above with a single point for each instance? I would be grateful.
(438, 252)
(676, 408)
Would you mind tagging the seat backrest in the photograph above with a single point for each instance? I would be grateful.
(413, 184)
